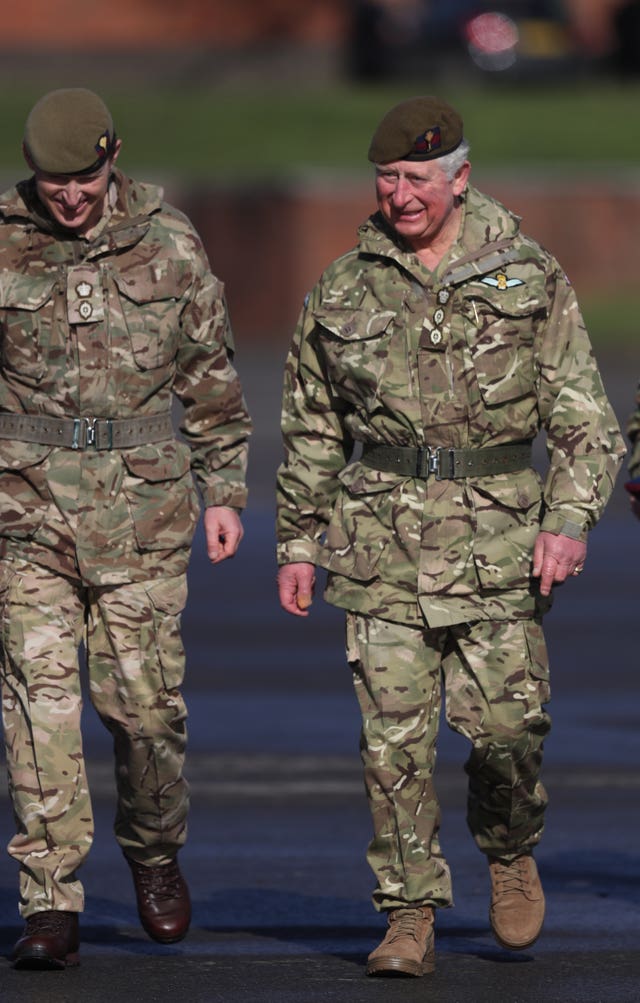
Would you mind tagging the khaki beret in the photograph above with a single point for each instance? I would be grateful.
(69, 131)
(421, 128)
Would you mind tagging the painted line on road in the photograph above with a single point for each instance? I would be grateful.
(327, 776)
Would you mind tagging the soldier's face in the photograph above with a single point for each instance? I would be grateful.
(76, 201)
(418, 199)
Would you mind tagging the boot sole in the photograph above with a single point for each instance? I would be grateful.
(510, 946)
(401, 966)
(41, 961)
(514, 947)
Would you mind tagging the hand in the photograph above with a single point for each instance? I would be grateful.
(555, 558)
(223, 531)
(295, 587)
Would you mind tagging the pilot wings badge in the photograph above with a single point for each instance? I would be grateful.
(501, 281)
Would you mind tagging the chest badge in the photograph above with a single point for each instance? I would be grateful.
(500, 281)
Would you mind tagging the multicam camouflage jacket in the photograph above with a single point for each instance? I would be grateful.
(633, 431)
(113, 326)
(484, 351)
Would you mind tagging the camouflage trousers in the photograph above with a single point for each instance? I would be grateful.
(135, 664)
(495, 680)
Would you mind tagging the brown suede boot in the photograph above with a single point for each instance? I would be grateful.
(517, 902)
(407, 948)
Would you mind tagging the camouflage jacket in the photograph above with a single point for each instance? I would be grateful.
(484, 351)
(152, 324)
(633, 431)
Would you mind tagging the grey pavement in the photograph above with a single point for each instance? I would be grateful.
(279, 822)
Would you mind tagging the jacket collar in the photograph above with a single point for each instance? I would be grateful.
(125, 222)
(485, 223)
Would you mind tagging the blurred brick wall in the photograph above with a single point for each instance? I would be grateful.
(270, 245)
(94, 25)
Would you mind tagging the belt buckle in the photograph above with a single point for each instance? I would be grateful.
(90, 436)
(429, 463)
(78, 440)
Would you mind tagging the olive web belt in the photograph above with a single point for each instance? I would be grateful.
(86, 433)
(447, 464)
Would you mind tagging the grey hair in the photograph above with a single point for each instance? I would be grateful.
(452, 162)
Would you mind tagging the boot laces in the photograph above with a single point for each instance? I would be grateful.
(511, 877)
(50, 921)
(406, 924)
(160, 882)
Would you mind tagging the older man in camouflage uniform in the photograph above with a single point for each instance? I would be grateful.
(108, 308)
(439, 347)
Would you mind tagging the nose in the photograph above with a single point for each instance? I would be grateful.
(72, 193)
(401, 190)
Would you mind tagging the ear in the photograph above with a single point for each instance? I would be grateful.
(461, 177)
(116, 150)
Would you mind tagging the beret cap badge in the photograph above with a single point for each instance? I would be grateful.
(102, 146)
(428, 141)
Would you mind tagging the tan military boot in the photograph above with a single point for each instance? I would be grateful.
(517, 902)
(408, 944)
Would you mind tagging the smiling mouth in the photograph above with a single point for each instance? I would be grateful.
(409, 214)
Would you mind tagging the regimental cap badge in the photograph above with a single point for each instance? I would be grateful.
(102, 146)
(429, 141)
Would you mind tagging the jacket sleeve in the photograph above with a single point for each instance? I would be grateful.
(584, 442)
(215, 422)
(316, 446)
(633, 431)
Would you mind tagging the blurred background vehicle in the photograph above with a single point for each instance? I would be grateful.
(525, 39)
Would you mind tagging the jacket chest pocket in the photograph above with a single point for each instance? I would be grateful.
(500, 328)
(151, 296)
(355, 346)
(26, 316)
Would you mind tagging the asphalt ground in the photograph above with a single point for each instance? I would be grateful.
(279, 823)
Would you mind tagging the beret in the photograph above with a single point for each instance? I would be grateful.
(69, 131)
(420, 128)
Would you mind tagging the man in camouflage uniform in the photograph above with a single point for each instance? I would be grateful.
(107, 309)
(438, 348)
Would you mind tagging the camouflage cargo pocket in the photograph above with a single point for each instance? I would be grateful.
(538, 664)
(500, 328)
(373, 526)
(168, 598)
(150, 297)
(355, 346)
(26, 313)
(162, 498)
(506, 512)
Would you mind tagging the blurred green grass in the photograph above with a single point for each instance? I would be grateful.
(238, 134)
(277, 133)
